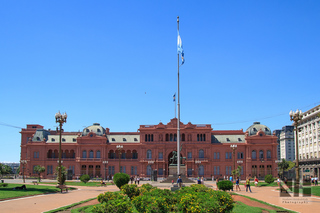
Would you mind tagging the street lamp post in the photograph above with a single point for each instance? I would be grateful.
(105, 162)
(296, 117)
(234, 147)
(119, 148)
(60, 119)
(23, 162)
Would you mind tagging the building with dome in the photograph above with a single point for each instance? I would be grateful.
(100, 153)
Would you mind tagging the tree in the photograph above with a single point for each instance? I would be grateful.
(5, 169)
(283, 165)
(63, 175)
(121, 179)
(236, 172)
(39, 169)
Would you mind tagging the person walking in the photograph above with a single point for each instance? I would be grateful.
(256, 181)
(237, 184)
(316, 180)
(138, 179)
(231, 179)
(179, 182)
(278, 181)
(248, 184)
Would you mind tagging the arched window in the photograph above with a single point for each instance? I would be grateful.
(268, 154)
(149, 154)
(134, 154)
(98, 154)
(175, 137)
(149, 169)
(49, 155)
(171, 137)
(201, 170)
(84, 154)
(91, 154)
(183, 137)
(167, 137)
(260, 154)
(201, 153)
(254, 154)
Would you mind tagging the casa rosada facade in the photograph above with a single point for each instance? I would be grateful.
(96, 151)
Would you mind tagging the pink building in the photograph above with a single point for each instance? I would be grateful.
(205, 152)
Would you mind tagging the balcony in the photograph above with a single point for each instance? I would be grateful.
(63, 159)
(90, 159)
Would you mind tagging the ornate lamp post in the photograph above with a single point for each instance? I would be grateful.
(119, 148)
(23, 162)
(105, 162)
(60, 119)
(234, 147)
(296, 117)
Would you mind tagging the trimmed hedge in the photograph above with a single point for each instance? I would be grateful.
(269, 179)
(121, 179)
(84, 178)
(225, 185)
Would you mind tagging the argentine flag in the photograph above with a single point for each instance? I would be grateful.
(180, 48)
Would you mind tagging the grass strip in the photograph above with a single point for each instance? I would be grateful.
(260, 201)
(69, 206)
(240, 207)
(7, 192)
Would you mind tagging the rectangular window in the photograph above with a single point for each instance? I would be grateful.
(214, 155)
(230, 155)
(227, 155)
(189, 172)
(111, 170)
(35, 154)
(160, 155)
(218, 155)
(218, 170)
(49, 170)
(132, 170)
(215, 170)
(189, 155)
(160, 171)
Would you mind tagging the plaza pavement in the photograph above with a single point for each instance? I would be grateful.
(42, 203)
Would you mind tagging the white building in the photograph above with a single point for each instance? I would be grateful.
(309, 142)
(287, 144)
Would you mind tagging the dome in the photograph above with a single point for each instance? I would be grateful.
(96, 128)
(253, 129)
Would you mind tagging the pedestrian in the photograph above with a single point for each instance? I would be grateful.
(256, 181)
(231, 179)
(316, 180)
(237, 184)
(199, 181)
(135, 179)
(202, 181)
(138, 179)
(131, 179)
(172, 182)
(179, 181)
(248, 184)
(312, 180)
(278, 181)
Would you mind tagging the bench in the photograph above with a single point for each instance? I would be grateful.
(62, 187)
(35, 182)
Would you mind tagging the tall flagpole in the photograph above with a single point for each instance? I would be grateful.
(178, 133)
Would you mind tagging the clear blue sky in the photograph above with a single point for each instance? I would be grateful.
(115, 63)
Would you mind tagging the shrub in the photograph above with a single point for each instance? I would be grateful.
(130, 190)
(225, 185)
(85, 178)
(269, 179)
(121, 179)
(113, 202)
(3, 184)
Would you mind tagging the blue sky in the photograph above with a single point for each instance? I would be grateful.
(115, 63)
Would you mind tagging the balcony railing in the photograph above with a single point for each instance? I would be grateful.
(63, 159)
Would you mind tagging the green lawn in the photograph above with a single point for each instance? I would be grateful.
(8, 192)
(315, 190)
(71, 183)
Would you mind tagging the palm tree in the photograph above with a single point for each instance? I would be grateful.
(283, 165)
(39, 169)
